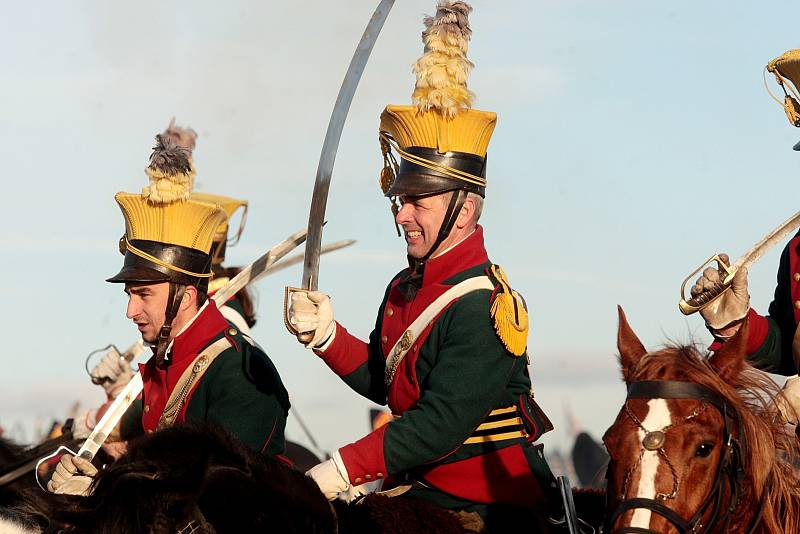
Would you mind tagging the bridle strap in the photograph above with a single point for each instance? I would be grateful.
(670, 389)
(653, 505)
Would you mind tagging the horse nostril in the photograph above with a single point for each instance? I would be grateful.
(704, 450)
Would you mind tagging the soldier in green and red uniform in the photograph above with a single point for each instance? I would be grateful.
(114, 372)
(448, 352)
(203, 368)
(771, 342)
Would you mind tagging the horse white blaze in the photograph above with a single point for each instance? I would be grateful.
(658, 417)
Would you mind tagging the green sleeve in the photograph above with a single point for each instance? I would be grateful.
(130, 426)
(775, 354)
(470, 372)
(243, 393)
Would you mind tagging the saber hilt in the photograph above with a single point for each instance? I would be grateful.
(695, 304)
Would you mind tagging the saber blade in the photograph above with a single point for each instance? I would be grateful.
(319, 199)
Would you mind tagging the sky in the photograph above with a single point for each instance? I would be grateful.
(634, 140)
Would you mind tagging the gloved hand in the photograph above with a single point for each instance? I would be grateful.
(789, 400)
(330, 476)
(732, 305)
(116, 369)
(311, 311)
(73, 476)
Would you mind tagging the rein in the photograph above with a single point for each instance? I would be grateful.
(730, 468)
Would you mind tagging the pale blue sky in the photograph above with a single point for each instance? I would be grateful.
(634, 139)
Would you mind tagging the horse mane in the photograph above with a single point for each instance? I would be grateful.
(771, 449)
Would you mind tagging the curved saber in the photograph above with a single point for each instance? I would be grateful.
(319, 200)
(691, 305)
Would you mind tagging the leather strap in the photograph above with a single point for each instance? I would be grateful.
(176, 292)
(409, 337)
(193, 373)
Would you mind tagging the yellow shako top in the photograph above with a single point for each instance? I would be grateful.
(221, 241)
(442, 143)
(168, 234)
(786, 69)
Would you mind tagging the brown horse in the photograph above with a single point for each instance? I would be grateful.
(699, 445)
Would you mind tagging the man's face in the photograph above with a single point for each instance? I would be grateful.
(147, 307)
(421, 218)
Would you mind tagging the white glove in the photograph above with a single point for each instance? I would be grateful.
(330, 476)
(311, 311)
(84, 424)
(73, 476)
(732, 305)
(789, 400)
(116, 369)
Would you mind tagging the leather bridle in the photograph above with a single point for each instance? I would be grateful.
(729, 473)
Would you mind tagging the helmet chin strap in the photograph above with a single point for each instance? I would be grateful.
(176, 292)
(412, 281)
(457, 199)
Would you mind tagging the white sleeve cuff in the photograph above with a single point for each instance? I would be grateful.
(339, 463)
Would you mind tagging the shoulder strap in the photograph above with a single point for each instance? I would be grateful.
(425, 318)
(193, 373)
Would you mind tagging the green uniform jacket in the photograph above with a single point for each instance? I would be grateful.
(241, 391)
(457, 372)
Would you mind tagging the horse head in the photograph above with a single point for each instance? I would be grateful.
(694, 447)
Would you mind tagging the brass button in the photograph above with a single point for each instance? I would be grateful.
(149, 431)
(368, 477)
(379, 475)
(796, 277)
(358, 481)
(384, 339)
(232, 331)
(390, 311)
(797, 304)
(146, 408)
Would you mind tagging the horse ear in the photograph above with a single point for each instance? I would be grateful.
(630, 348)
(729, 360)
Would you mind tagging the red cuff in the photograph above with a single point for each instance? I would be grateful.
(346, 352)
(758, 328)
(364, 459)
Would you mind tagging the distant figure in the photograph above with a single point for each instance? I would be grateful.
(588, 458)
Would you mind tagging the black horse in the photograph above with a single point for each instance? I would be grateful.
(199, 480)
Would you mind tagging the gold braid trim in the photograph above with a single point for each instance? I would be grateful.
(428, 164)
(157, 261)
(509, 314)
(790, 104)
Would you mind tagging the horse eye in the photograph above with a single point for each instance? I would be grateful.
(704, 449)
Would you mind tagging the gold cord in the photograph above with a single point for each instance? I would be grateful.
(149, 257)
(432, 165)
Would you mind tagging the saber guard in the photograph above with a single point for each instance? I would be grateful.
(695, 304)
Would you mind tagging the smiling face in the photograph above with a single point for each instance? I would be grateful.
(421, 218)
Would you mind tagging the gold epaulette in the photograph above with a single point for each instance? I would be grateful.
(509, 314)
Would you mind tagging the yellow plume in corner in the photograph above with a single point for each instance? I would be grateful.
(443, 69)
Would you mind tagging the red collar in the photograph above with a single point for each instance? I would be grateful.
(468, 253)
(205, 327)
